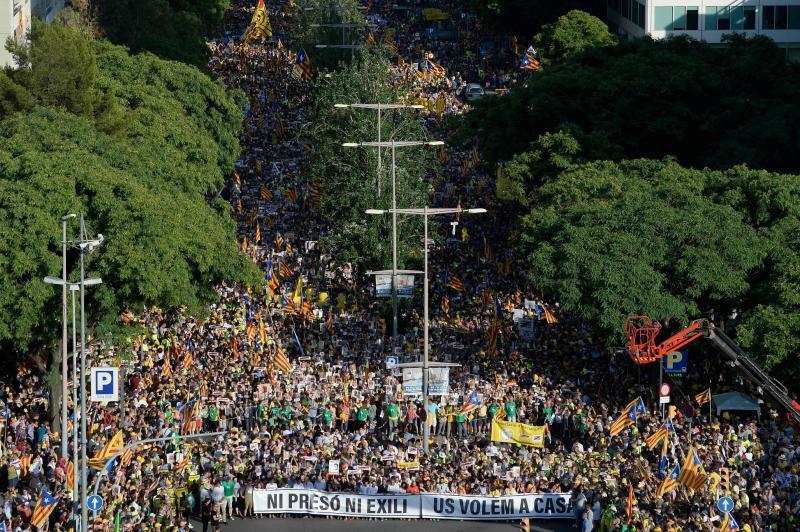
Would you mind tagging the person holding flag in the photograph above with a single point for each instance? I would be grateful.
(44, 507)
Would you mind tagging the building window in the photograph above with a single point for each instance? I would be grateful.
(641, 16)
(692, 18)
(777, 17)
(749, 17)
(794, 17)
(710, 18)
(679, 18)
(663, 19)
(724, 18)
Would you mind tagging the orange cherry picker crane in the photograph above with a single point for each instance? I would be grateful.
(641, 333)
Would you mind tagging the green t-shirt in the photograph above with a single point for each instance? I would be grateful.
(493, 410)
(287, 411)
(228, 486)
(362, 414)
(261, 411)
(392, 411)
(213, 413)
(511, 409)
(327, 415)
(460, 418)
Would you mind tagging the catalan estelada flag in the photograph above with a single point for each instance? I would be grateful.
(692, 473)
(112, 447)
(302, 66)
(670, 482)
(44, 507)
(70, 476)
(729, 524)
(446, 305)
(282, 361)
(628, 416)
(472, 404)
(259, 24)
(661, 433)
(530, 61)
(703, 397)
(456, 284)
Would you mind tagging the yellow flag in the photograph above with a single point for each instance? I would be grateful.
(297, 297)
(322, 297)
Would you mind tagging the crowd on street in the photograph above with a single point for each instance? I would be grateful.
(294, 372)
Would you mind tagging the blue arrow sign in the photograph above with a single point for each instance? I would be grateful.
(725, 504)
(94, 502)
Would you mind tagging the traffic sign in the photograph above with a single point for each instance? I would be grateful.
(94, 503)
(725, 504)
(105, 384)
(391, 362)
(664, 390)
(663, 400)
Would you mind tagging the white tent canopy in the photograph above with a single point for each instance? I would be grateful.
(736, 401)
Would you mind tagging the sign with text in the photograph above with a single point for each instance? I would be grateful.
(105, 384)
(383, 285)
(294, 501)
(676, 363)
(510, 432)
(425, 506)
(437, 385)
(538, 506)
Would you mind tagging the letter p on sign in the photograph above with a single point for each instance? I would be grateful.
(105, 384)
(676, 362)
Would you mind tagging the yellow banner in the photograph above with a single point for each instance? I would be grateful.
(508, 432)
(408, 465)
(433, 13)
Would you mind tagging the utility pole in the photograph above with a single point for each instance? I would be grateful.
(64, 335)
(426, 364)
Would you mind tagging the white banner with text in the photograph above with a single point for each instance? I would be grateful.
(425, 506)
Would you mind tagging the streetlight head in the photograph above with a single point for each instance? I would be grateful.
(66, 217)
(350, 144)
(476, 211)
(417, 106)
(341, 105)
(322, 46)
(53, 280)
(436, 143)
(375, 211)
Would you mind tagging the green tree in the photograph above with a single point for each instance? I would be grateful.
(652, 99)
(348, 175)
(307, 31)
(172, 29)
(571, 34)
(610, 240)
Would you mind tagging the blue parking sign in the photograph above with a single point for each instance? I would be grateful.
(676, 362)
(105, 384)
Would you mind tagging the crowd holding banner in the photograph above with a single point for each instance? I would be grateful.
(536, 421)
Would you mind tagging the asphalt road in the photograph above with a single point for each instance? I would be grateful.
(389, 525)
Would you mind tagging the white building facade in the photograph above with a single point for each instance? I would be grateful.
(709, 20)
(15, 22)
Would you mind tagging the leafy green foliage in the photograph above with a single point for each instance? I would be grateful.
(613, 240)
(571, 34)
(307, 30)
(163, 246)
(706, 106)
(138, 146)
(349, 175)
(172, 29)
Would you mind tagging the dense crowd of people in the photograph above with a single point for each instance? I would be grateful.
(294, 372)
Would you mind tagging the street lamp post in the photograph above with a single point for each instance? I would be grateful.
(64, 348)
(378, 107)
(344, 26)
(425, 212)
(85, 246)
(393, 145)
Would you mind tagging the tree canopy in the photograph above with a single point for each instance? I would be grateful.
(349, 175)
(571, 34)
(142, 179)
(706, 106)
